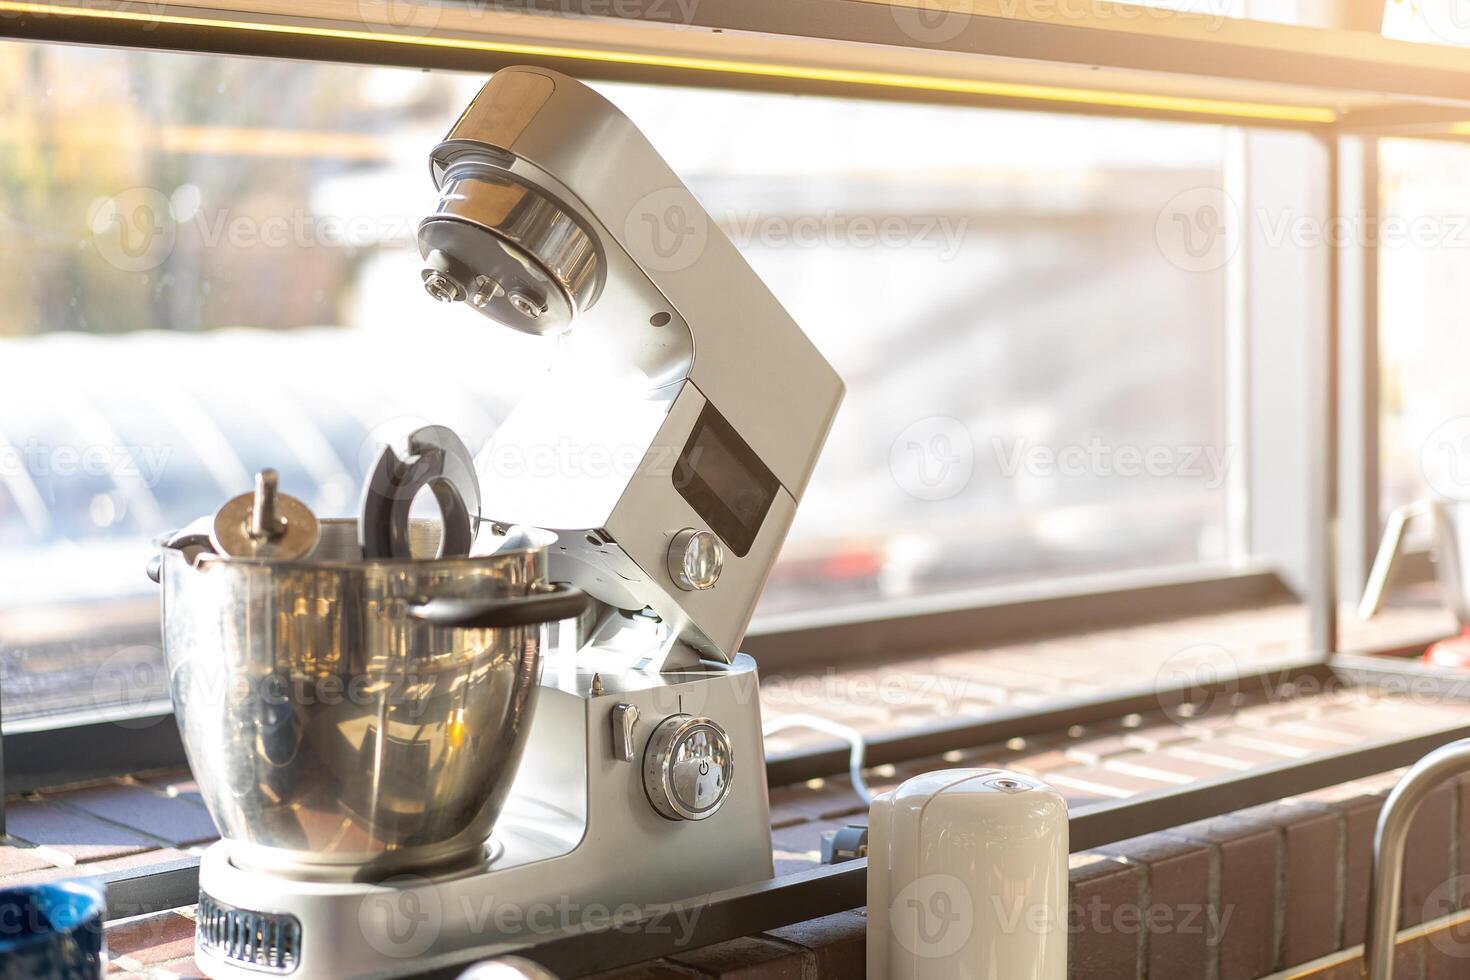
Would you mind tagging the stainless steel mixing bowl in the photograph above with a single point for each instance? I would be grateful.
(349, 719)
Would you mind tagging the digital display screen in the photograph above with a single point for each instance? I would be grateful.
(724, 481)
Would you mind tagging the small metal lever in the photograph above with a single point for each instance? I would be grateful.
(624, 719)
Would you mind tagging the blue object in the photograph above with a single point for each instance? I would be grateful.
(52, 931)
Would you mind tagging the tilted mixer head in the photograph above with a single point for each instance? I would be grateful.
(705, 403)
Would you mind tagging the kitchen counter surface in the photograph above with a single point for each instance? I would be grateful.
(155, 817)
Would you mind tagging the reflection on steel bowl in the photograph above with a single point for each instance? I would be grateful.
(351, 718)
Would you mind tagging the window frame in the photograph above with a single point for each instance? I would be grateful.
(1338, 368)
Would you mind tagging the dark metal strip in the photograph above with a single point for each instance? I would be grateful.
(205, 40)
(73, 753)
(214, 38)
(151, 888)
(3, 774)
(801, 643)
(844, 21)
(904, 746)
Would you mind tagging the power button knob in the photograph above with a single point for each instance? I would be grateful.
(696, 559)
(688, 767)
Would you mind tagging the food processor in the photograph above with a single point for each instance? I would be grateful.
(419, 737)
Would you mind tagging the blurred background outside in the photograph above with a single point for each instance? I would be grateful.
(209, 267)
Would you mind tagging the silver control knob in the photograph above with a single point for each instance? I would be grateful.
(696, 559)
(688, 767)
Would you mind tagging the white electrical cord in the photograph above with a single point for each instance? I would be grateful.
(827, 726)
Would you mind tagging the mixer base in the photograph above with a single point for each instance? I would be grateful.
(579, 843)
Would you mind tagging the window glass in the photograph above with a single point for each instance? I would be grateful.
(1424, 343)
(223, 277)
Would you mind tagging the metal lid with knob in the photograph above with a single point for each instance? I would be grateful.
(264, 524)
(688, 767)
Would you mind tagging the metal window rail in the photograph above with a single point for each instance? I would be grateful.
(1103, 58)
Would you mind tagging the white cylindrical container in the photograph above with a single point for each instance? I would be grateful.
(967, 879)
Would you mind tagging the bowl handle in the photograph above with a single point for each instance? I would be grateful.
(562, 602)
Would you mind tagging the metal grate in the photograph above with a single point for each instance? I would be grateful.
(263, 940)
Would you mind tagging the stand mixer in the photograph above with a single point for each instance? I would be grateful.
(677, 460)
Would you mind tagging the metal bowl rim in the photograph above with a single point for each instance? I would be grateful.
(456, 563)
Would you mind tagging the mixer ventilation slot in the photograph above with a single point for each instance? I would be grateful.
(263, 940)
